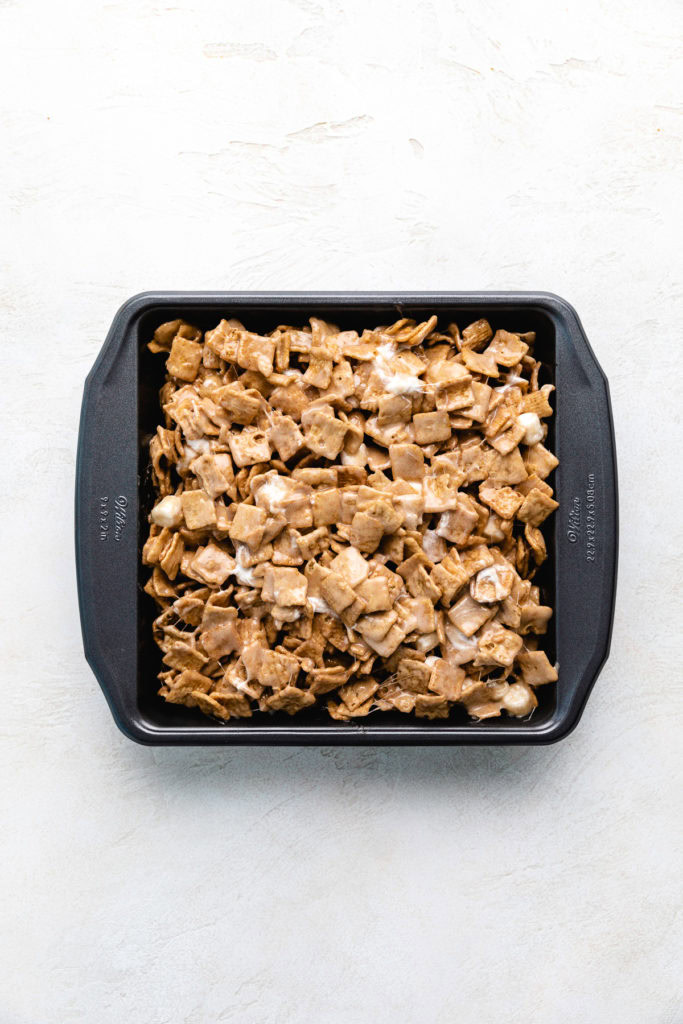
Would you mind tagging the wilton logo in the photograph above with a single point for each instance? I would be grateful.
(574, 525)
(119, 516)
(582, 520)
(120, 506)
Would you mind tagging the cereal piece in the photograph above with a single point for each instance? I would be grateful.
(468, 615)
(184, 655)
(291, 398)
(248, 526)
(457, 525)
(476, 335)
(475, 558)
(459, 648)
(171, 557)
(412, 673)
(480, 362)
(314, 543)
(536, 668)
(507, 349)
(185, 358)
(476, 458)
(286, 550)
(383, 511)
(323, 433)
(282, 351)
(249, 447)
(481, 399)
(255, 352)
(484, 700)
(540, 461)
(351, 613)
(449, 577)
(319, 372)
(342, 382)
(281, 495)
(413, 562)
(289, 586)
(185, 683)
(419, 614)
(536, 402)
(446, 680)
(285, 436)
(507, 440)
(366, 532)
(431, 706)
(290, 699)
(342, 713)
(536, 542)
(223, 638)
(317, 476)
(212, 564)
(224, 339)
(536, 507)
(326, 507)
(498, 646)
(492, 584)
(394, 409)
(440, 492)
(198, 510)
(375, 627)
(504, 501)
(189, 609)
(324, 680)
(356, 694)
(375, 592)
(431, 427)
(507, 469)
(444, 372)
(420, 584)
(164, 335)
(337, 592)
(389, 643)
(241, 405)
(351, 565)
(209, 472)
(407, 462)
(434, 546)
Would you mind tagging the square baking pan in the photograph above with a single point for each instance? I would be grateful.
(114, 495)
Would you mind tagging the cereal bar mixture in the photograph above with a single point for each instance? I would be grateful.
(350, 520)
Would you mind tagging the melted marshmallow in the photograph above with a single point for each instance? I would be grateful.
(242, 573)
(533, 429)
(491, 575)
(392, 382)
(192, 449)
(169, 511)
(273, 492)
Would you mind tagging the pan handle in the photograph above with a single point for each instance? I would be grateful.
(106, 518)
(586, 526)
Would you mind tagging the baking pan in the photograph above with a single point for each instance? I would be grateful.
(114, 495)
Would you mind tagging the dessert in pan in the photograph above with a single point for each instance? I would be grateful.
(350, 519)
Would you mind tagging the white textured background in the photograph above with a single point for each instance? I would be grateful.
(364, 144)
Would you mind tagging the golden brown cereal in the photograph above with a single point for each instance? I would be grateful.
(350, 521)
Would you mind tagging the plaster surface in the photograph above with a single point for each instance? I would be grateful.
(302, 145)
